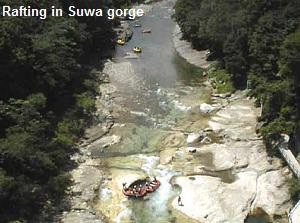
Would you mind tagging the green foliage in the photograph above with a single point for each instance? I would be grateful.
(47, 98)
(256, 41)
(27, 162)
(276, 127)
(294, 187)
(86, 101)
(221, 81)
(244, 34)
(290, 58)
(64, 134)
(56, 184)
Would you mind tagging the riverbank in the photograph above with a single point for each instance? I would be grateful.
(185, 50)
(89, 174)
(259, 182)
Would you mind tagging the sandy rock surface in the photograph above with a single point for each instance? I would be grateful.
(184, 48)
(89, 175)
(259, 181)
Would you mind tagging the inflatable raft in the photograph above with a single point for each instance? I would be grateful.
(121, 42)
(137, 49)
(140, 188)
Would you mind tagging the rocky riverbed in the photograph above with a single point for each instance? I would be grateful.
(201, 146)
(258, 181)
(89, 174)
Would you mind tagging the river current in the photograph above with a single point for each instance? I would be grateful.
(157, 107)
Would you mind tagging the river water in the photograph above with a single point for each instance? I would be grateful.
(155, 109)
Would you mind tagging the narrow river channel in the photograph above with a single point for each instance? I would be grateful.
(155, 108)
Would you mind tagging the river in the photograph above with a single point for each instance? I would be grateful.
(155, 107)
(146, 121)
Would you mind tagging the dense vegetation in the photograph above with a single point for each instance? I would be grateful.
(258, 43)
(47, 97)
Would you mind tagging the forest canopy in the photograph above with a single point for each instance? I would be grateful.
(257, 43)
(47, 99)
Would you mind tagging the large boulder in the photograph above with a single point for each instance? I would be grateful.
(209, 200)
(206, 140)
(104, 142)
(81, 216)
(178, 105)
(272, 193)
(207, 108)
(193, 138)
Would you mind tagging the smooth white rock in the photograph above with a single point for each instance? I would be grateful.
(207, 108)
(193, 137)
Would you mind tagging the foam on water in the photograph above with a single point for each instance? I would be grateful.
(125, 213)
(149, 162)
(105, 193)
(165, 190)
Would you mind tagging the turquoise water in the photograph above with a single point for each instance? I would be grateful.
(158, 68)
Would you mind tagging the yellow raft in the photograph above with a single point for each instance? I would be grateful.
(121, 42)
(137, 49)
